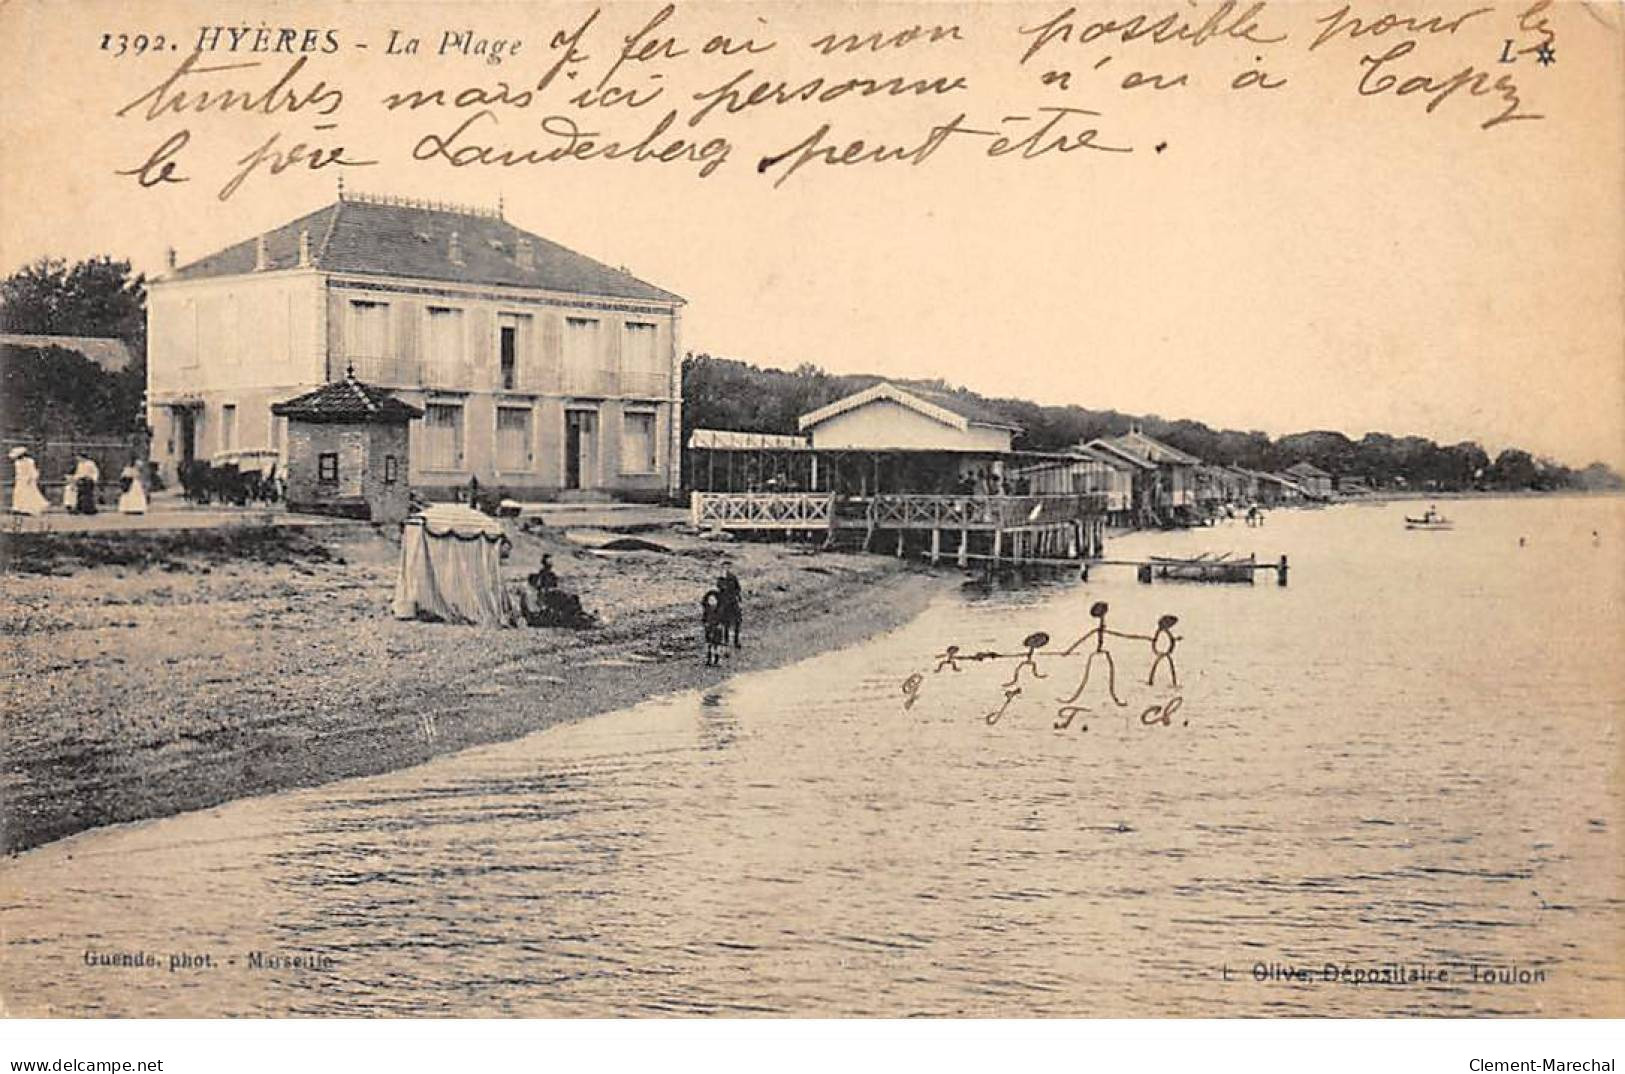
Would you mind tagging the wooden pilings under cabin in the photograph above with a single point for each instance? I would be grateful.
(1064, 542)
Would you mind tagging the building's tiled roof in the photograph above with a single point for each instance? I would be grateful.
(971, 409)
(946, 407)
(1147, 447)
(380, 237)
(1306, 469)
(111, 354)
(348, 401)
(1110, 449)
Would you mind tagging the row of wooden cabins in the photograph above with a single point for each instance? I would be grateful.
(905, 466)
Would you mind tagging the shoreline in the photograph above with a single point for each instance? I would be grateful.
(318, 697)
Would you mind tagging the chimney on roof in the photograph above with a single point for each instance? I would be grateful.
(524, 255)
(260, 260)
(454, 249)
(304, 247)
(169, 258)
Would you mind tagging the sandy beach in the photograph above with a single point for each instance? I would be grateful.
(211, 668)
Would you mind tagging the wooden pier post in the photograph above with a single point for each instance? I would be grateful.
(998, 544)
(936, 546)
(1084, 574)
(1144, 573)
(1280, 571)
(964, 539)
(900, 544)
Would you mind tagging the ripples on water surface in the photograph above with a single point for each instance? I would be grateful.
(1411, 754)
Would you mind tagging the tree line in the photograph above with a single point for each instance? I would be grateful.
(724, 393)
(52, 392)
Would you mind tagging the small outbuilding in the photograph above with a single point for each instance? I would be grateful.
(348, 448)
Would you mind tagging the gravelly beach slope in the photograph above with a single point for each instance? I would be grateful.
(193, 675)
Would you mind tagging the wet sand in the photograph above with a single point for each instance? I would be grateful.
(138, 691)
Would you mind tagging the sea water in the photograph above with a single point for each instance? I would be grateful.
(1392, 786)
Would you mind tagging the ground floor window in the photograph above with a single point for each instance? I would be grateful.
(443, 436)
(513, 438)
(327, 467)
(638, 442)
(228, 427)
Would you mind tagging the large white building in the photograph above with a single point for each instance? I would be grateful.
(539, 370)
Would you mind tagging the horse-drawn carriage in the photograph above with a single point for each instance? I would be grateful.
(236, 477)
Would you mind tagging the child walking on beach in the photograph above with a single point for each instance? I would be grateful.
(712, 622)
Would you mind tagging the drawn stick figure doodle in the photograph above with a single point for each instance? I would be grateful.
(1033, 643)
(1163, 643)
(1070, 708)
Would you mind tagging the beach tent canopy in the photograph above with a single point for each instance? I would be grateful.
(451, 568)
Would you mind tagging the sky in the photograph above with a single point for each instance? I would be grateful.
(1303, 258)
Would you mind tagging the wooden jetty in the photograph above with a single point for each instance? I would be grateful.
(1204, 568)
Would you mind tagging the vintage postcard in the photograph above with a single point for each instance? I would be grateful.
(1047, 509)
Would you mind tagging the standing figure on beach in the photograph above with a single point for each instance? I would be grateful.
(732, 605)
(26, 498)
(1163, 643)
(1099, 633)
(133, 499)
(85, 476)
(711, 623)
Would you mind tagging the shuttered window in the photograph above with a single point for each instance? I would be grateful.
(640, 362)
(442, 436)
(513, 438)
(446, 347)
(638, 443)
(369, 329)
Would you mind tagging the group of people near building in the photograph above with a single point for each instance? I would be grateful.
(989, 482)
(79, 488)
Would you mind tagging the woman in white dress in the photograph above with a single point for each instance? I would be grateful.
(25, 494)
(133, 501)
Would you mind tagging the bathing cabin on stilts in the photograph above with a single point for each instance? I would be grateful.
(903, 468)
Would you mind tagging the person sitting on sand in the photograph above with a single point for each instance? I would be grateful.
(543, 604)
(544, 578)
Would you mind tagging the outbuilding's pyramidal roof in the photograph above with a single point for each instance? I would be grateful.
(348, 400)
